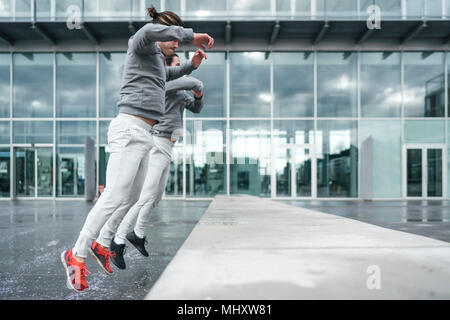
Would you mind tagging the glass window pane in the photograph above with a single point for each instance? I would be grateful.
(293, 84)
(434, 8)
(103, 132)
(389, 8)
(5, 8)
(250, 158)
(74, 132)
(283, 8)
(386, 156)
(33, 85)
(414, 8)
(337, 158)
(71, 137)
(249, 7)
(91, 8)
(173, 5)
(23, 9)
(448, 77)
(337, 8)
(303, 8)
(4, 132)
(5, 62)
(300, 8)
(414, 172)
(205, 8)
(424, 84)
(70, 175)
(336, 84)
(139, 8)
(380, 84)
(43, 9)
(293, 132)
(250, 85)
(424, 131)
(103, 152)
(434, 166)
(75, 85)
(205, 158)
(63, 5)
(174, 185)
(33, 132)
(111, 68)
(115, 9)
(213, 76)
(448, 162)
(5, 174)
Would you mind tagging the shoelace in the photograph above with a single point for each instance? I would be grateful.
(107, 253)
(83, 269)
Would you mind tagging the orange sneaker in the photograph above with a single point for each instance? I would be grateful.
(75, 271)
(102, 256)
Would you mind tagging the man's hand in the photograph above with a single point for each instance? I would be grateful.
(197, 94)
(199, 55)
(200, 39)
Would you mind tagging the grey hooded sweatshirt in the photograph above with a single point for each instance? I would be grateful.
(177, 99)
(145, 74)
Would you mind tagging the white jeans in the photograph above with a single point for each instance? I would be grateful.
(152, 192)
(130, 142)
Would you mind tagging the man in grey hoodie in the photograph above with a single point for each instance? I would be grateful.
(141, 106)
(177, 100)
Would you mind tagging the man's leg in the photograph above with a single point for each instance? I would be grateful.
(144, 213)
(129, 145)
(108, 230)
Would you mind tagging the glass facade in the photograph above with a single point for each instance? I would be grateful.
(50, 10)
(284, 124)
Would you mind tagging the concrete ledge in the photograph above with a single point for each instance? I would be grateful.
(251, 248)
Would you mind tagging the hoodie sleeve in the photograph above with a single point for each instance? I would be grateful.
(153, 32)
(184, 83)
(193, 104)
(173, 73)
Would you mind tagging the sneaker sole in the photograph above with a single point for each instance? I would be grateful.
(68, 282)
(100, 263)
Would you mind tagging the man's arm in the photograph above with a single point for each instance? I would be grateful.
(153, 32)
(186, 68)
(173, 73)
(194, 104)
(184, 83)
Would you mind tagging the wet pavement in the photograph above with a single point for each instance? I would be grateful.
(425, 218)
(34, 233)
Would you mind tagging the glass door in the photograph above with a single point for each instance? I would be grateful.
(293, 171)
(33, 172)
(25, 173)
(44, 170)
(424, 171)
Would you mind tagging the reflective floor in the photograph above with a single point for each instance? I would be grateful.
(34, 233)
(426, 218)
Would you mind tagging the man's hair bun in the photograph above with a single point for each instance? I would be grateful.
(152, 12)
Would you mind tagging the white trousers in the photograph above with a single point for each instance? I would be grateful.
(151, 194)
(130, 142)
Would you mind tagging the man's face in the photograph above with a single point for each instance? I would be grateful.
(175, 62)
(168, 47)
